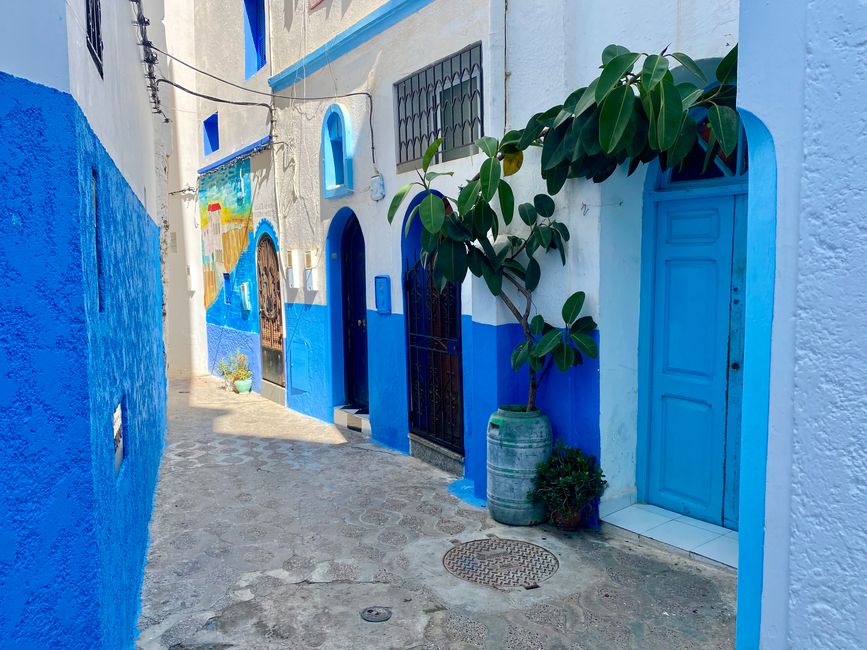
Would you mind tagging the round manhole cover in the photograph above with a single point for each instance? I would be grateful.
(501, 563)
(376, 614)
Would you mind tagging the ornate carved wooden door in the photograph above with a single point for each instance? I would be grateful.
(270, 312)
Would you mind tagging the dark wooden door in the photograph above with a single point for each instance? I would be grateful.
(270, 312)
(434, 346)
(355, 315)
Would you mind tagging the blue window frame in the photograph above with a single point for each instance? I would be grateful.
(336, 153)
(211, 134)
(254, 37)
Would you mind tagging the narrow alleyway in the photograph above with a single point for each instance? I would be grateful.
(273, 530)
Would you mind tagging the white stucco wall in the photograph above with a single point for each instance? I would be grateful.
(33, 42)
(605, 220)
(796, 77)
(185, 328)
(117, 106)
(446, 27)
(219, 50)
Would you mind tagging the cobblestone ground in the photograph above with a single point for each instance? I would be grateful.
(273, 530)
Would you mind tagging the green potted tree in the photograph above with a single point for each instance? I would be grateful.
(628, 115)
(566, 484)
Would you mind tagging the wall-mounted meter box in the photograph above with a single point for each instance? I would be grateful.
(382, 293)
(309, 275)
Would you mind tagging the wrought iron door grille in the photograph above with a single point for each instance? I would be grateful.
(94, 32)
(444, 100)
(434, 344)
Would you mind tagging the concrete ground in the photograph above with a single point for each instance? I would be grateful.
(274, 530)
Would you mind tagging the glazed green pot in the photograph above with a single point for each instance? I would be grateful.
(517, 442)
(243, 385)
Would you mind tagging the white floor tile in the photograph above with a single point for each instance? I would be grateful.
(722, 549)
(636, 519)
(676, 533)
(662, 512)
(711, 528)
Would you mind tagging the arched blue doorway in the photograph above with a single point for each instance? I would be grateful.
(347, 300)
(692, 313)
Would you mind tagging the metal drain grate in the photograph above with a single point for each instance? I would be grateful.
(501, 563)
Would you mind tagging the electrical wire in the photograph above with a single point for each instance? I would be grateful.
(272, 95)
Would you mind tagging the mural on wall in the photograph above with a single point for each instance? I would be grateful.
(225, 215)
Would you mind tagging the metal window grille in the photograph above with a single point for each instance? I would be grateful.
(94, 32)
(443, 100)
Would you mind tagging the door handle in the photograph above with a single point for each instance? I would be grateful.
(736, 366)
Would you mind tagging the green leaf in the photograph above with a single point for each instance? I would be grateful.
(544, 205)
(613, 51)
(573, 99)
(564, 357)
(654, 70)
(614, 117)
(475, 260)
(520, 355)
(531, 131)
(562, 229)
(552, 151)
(432, 175)
(510, 141)
(430, 153)
(507, 201)
(537, 324)
(467, 197)
(573, 306)
(489, 178)
(483, 219)
(727, 69)
(689, 64)
(489, 145)
(452, 260)
(670, 115)
(533, 274)
(456, 230)
(650, 100)
(725, 123)
(588, 98)
(548, 342)
(712, 145)
(689, 94)
(397, 200)
(429, 241)
(432, 213)
(612, 73)
(494, 279)
(409, 219)
(527, 213)
(586, 344)
(488, 249)
(556, 178)
(584, 324)
(684, 144)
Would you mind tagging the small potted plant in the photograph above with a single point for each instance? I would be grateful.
(241, 373)
(225, 371)
(567, 483)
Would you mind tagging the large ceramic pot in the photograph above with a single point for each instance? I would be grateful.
(517, 442)
(243, 385)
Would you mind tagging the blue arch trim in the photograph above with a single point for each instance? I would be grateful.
(761, 266)
(376, 22)
(266, 227)
(334, 298)
(336, 153)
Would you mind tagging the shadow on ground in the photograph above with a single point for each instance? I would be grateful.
(273, 530)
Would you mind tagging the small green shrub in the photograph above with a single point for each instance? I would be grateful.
(567, 482)
(235, 368)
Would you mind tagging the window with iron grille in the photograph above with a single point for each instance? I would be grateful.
(94, 32)
(444, 100)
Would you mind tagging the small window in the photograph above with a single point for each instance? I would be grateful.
(444, 100)
(254, 37)
(336, 154)
(94, 32)
(211, 134)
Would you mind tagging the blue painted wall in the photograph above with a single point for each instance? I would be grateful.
(73, 537)
(225, 341)
(387, 370)
(308, 381)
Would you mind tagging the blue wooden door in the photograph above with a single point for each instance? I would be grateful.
(692, 289)
(355, 315)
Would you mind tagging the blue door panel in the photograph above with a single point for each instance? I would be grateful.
(689, 356)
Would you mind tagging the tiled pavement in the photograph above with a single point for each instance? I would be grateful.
(273, 530)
